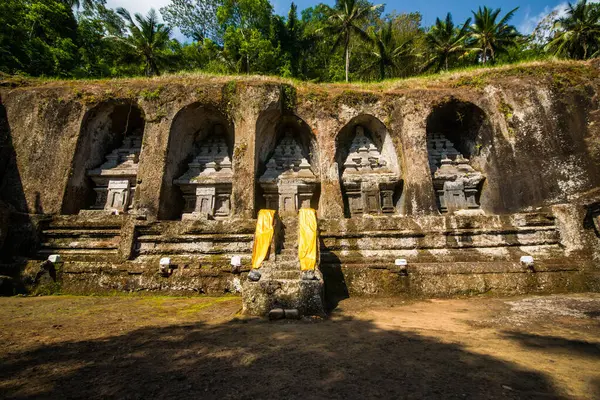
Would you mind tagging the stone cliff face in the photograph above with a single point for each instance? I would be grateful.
(530, 132)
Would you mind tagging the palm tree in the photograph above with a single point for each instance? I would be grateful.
(578, 33)
(147, 38)
(445, 40)
(490, 37)
(388, 53)
(86, 3)
(346, 20)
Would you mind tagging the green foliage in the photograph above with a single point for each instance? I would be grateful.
(229, 97)
(352, 98)
(578, 32)
(489, 37)
(446, 43)
(352, 40)
(506, 110)
(37, 37)
(150, 95)
(194, 18)
(248, 39)
(390, 54)
(288, 94)
(148, 39)
(346, 21)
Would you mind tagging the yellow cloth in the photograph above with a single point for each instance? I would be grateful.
(307, 239)
(262, 237)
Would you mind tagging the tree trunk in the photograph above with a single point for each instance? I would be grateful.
(152, 68)
(347, 45)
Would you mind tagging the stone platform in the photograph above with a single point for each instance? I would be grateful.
(261, 297)
(281, 284)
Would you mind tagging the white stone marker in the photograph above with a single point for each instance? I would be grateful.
(527, 261)
(165, 262)
(54, 258)
(236, 261)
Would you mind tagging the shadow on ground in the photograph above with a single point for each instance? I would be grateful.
(579, 347)
(342, 358)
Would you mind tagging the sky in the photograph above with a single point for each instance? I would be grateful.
(529, 14)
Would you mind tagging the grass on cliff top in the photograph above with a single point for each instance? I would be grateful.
(473, 76)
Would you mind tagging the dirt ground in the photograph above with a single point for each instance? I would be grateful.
(167, 347)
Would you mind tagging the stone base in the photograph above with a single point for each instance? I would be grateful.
(96, 213)
(260, 297)
(195, 216)
(469, 212)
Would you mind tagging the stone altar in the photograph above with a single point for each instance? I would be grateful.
(115, 180)
(206, 185)
(457, 185)
(369, 183)
(288, 183)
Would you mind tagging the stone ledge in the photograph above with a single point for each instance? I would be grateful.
(262, 296)
(461, 268)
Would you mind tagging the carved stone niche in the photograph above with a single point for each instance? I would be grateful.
(592, 218)
(288, 183)
(368, 181)
(456, 183)
(115, 180)
(206, 185)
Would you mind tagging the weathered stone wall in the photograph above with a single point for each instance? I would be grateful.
(537, 143)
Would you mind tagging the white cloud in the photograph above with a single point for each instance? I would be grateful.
(138, 6)
(142, 7)
(530, 22)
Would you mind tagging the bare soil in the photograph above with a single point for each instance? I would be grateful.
(167, 347)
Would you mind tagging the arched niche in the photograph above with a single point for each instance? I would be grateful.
(370, 173)
(7, 158)
(104, 169)
(286, 163)
(195, 131)
(11, 186)
(454, 132)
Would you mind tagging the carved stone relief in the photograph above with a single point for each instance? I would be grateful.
(288, 183)
(206, 185)
(368, 181)
(115, 180)
(456, 183)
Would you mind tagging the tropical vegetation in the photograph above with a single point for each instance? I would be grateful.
(351, 40)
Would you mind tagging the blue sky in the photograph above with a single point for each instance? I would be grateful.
(529, 13)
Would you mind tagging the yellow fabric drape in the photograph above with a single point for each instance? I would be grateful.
(307, 239)
(262, 237)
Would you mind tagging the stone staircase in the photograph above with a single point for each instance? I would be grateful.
(281, 284)
(285, 264)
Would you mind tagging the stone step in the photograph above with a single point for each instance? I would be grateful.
(286, 257)
(278, 264)
(286, 266)
(288, 250)
(291, 275)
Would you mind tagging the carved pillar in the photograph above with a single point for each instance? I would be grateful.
(331, 203)
(152, 166)
(418, 188)
(250, 102)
